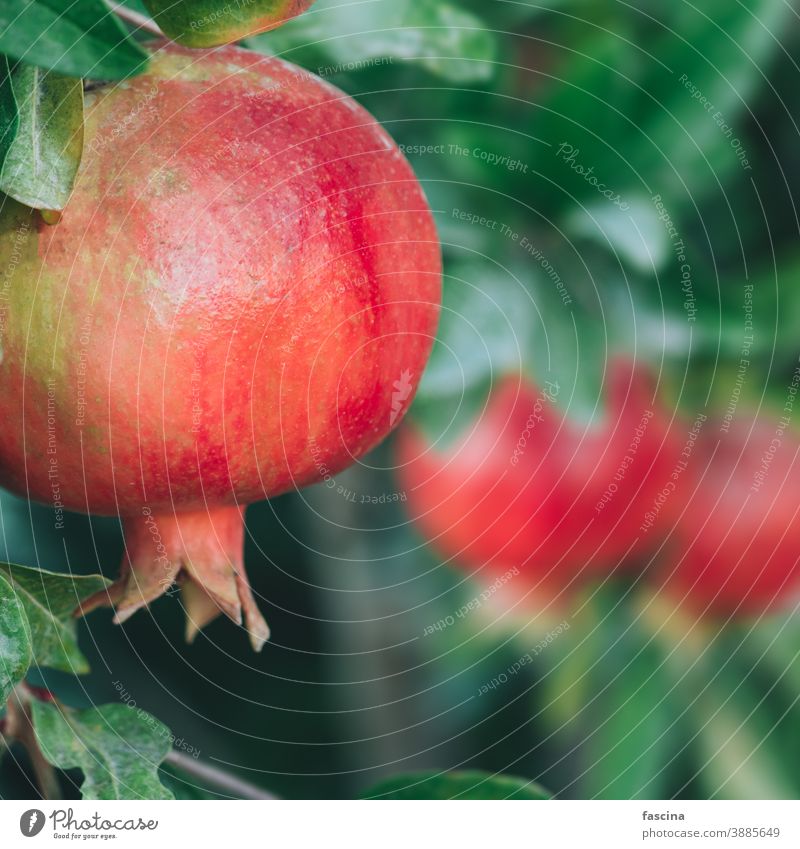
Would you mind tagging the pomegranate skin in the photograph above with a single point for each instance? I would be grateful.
(526, 489)
(245, 267)
(739, 549)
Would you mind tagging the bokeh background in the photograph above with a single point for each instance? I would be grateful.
(505, 110)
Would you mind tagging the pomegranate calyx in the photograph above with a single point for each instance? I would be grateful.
(201, 551)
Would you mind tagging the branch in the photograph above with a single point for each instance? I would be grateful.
(231, 784)
(135, 19)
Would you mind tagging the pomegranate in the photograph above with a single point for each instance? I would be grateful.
(246, 267)
(524, 488)
(739, 551)
(204, 23)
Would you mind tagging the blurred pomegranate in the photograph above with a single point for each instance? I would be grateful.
(526, 488)
(739, 538)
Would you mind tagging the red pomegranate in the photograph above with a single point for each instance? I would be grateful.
(246, 267)
(739, 551)
(207, 23)
(526, 488)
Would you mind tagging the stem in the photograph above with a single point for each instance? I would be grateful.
(20, 727)
(136, 19)
(231, 784)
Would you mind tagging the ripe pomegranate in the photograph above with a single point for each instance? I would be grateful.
(525, 488)
(204, 23)
(246, 267)
(739, 549)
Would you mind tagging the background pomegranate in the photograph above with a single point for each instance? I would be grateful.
(526, 487)
(203, 23)
(738, 548)
(245, 268)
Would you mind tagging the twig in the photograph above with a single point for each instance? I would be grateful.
(20, 727)
(136, 19)
(231, 784)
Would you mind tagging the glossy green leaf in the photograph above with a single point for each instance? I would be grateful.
(9, 114)
(457, 785)
(48, 599)
(337, 35)
(15, 641)
(81, 38)
(118, 748)
(42, 161)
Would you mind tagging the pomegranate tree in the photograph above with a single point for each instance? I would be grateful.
(246, 266)
(524, 487)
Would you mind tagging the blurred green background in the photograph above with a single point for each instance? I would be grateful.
(497, 103)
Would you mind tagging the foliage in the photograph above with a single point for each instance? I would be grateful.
(81, 39)
(607, 178)
(334, 35)
(40, 163)
(118, 749)
(36, 608)
(15, 641)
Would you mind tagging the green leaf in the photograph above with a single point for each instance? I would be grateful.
(608, 696)
(40, 166)
(118, 748)
(738, 42)
(739, 733)
(739, 739)
(15, 641)
(48, 599)
(625, 93)
(340, 35)
(633, 736)
(633, 232)
(9, 115)
(457, 785)
(209, 23)
(81, 38)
